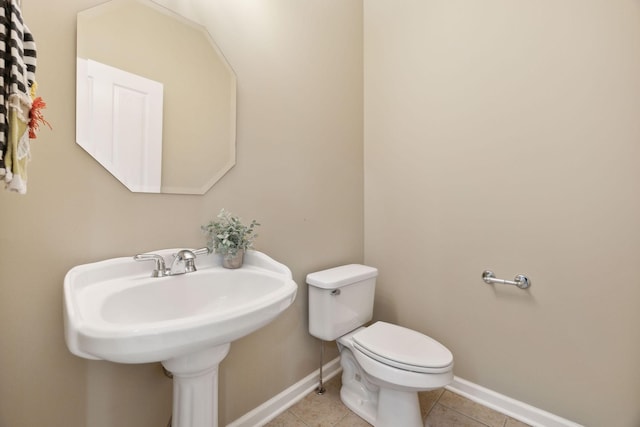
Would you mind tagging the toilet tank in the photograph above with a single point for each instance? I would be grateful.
(340, 300)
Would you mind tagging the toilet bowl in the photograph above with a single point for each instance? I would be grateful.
(380, 384)
(384, 365)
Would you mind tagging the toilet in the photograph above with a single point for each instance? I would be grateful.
(384, 366)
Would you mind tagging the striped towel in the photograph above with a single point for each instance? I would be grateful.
(17, 75)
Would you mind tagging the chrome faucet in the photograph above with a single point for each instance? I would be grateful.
(183, 262)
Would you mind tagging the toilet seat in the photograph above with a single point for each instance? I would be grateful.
(403, 348)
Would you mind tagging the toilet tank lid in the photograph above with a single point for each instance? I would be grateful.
(341, 276)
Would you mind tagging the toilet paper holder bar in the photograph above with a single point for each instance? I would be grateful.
(520, 281)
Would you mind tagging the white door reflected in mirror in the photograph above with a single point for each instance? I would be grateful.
(119, 122)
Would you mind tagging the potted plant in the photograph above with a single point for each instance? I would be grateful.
(229, 237)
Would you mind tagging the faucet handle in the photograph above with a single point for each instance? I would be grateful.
(201, 251)
(160, 268)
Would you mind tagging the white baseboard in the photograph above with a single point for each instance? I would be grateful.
(489, 398)
(508, 406)
(283, 401)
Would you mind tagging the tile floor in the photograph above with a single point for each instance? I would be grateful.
(440, 408)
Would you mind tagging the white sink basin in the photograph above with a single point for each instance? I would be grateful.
(115, 311)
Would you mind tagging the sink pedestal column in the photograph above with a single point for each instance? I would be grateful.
(195, 387)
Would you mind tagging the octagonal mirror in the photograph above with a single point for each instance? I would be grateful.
(155, 98)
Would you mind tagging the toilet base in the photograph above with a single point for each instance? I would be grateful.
(357, 393)
(381, 407)
(398, 408)
(363, 408)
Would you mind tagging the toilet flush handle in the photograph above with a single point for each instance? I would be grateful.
(335, 292)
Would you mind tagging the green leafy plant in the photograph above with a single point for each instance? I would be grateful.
(227, 235)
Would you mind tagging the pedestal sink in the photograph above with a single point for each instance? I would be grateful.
(114, 310)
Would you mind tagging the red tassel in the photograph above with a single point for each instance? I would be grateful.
(36, 118)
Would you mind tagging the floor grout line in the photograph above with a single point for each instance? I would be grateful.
(471, 417)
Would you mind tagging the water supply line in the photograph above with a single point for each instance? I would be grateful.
(320, 389)
(167, 373)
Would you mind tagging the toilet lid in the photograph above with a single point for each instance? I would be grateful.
(403, 348)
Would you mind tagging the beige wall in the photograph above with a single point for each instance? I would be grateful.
(505, 135)
(299, 172)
